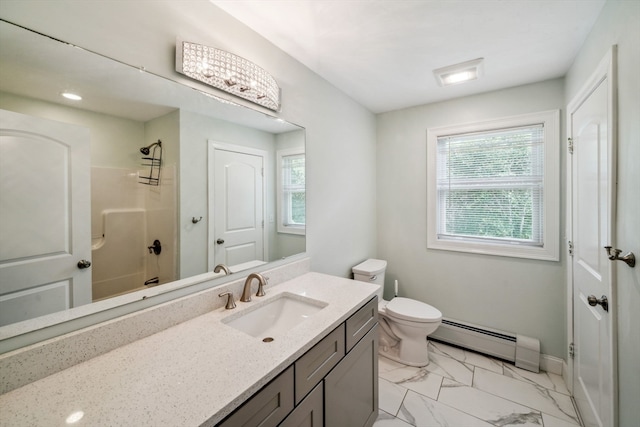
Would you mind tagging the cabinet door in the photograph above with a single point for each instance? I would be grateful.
(309, 413)
(351, 389)
(267, 407)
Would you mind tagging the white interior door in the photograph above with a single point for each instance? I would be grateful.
(593, 194)
(237, 206)
(44, 216)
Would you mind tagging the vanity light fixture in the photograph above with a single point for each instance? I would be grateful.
(71, 96)
(228, 72)
(459, 73)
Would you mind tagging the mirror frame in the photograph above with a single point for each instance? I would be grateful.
(21, 334)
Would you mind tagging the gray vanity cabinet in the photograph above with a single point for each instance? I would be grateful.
(334, 384)
(351, 388)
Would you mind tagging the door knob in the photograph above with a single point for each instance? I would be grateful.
(220, 241)
(82, 264)
(593, 301)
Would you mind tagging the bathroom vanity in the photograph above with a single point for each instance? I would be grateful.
(207, 371)
(335, 383)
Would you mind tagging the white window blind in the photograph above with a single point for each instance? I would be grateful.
(490, 186)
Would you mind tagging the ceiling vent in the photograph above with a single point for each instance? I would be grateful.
(459, 73)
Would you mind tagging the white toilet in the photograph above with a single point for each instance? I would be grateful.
(404, 323)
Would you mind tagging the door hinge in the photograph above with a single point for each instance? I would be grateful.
(570, 243)
(572, 351)
(570, 145)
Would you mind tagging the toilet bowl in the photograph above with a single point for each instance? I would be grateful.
(404, 323)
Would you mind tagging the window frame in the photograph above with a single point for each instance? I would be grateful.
(281, 226)
(550, 250)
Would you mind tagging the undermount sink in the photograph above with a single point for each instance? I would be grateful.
(276, 316)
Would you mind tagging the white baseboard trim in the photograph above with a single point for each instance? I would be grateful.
(552, 364)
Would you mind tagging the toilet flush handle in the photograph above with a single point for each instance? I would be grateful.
(372, 278)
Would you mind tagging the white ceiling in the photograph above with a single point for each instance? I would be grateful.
(382, 52)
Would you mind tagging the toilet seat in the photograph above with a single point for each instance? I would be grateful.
(412, 310)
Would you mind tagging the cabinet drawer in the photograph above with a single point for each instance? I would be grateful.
(361, 321)
(267, 407)
(317, 362)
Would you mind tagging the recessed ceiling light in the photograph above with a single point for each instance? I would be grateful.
(459, 73)
(72, 96)
(75, 417)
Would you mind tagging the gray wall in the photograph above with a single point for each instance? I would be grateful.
(619, 23)
(511, 294)
(340, 133)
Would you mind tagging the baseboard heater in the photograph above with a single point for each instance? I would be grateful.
(523, 350)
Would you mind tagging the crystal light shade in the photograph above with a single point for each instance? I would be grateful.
(228, 72)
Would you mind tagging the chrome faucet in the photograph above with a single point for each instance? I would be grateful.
(221, 267)
(246, 293)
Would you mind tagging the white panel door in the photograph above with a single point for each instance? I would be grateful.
(237, 207)
(592, 222)
(44, 216)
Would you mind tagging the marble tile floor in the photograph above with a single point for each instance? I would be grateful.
(461, 388)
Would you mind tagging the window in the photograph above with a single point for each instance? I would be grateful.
(493, 187)
(291, 194)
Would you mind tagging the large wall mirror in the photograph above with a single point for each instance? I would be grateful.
(147, 180)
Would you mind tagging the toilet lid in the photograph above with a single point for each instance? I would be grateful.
(410, 309)
(370, 267)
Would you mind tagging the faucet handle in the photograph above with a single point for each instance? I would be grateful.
(230, 301)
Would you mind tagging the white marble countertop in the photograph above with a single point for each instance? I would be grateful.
(191, 374)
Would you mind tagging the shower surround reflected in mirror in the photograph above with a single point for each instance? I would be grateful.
(125, 109)
(125, 216)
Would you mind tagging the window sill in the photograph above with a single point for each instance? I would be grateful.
(544, 253)
(283, 229)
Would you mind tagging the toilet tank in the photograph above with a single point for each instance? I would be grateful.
(372, 271)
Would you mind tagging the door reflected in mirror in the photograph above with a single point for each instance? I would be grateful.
(220, 164)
